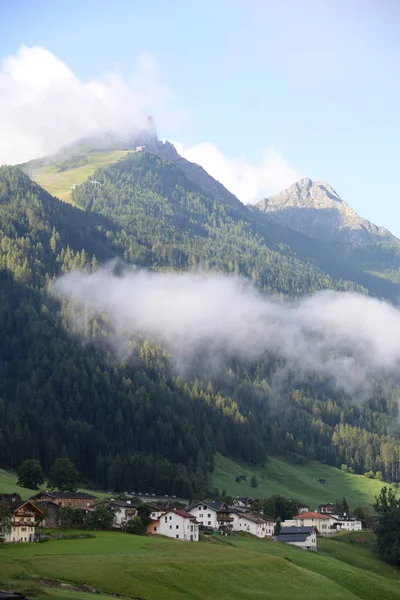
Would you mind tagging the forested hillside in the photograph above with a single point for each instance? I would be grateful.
(135, 423)
(166, 221)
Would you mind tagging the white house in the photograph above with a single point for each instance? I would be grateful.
(124, 511)
(258, 525)
(23, 520)
(344, 522)
(323, 523)
(212, 514)
(177, 524)
(302, 537)
(157, 511)
(244, 502)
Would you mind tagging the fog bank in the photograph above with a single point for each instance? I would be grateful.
(344, 336)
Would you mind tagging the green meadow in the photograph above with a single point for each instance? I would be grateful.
(8, 485)
(59, 183)
(238, 567)
(277, 476)
(300, 482)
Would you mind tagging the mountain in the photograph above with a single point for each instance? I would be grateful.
(314, 208)
(76, 162)
(372, 265)
(196, 174)
(136, 424)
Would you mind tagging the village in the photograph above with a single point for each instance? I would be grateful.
(174, 517)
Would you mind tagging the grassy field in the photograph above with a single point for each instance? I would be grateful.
(295, 481)
(59, 183)
(8, 485)
(238, 567)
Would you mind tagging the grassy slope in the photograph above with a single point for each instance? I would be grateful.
(281, 477)
(358, 550)
(238, 567)
(8, 485)
(59, 184)
(294, 481)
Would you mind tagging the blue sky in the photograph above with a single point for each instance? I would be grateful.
(262, 90)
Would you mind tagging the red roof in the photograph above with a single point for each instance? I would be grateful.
(181, 513)
(311, 515)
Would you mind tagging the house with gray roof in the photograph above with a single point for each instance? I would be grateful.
(302, 537)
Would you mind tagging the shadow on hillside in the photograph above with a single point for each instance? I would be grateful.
(339, 259)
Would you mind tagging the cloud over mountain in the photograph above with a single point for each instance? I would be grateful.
(247, 180)
(45, 105)
(205, 319)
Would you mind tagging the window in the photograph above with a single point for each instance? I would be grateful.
(170, 518)
(191, 538)
(23, 528)
(177, 536)
(191, 528)
(204, 507)
(166, 519)
(209, 515)
(209, 522)
(170, 526)
(201, 515)
(177, 526)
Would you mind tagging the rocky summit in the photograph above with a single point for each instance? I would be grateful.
(314, 208)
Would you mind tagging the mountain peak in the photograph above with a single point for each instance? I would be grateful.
(314, 208)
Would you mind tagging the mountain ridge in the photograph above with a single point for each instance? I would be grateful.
(82, 152)
(315, 208)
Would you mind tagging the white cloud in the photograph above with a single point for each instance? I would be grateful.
(205, 319)
(44, 105)
(248, 181)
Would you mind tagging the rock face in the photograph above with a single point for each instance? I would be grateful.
(314, 208)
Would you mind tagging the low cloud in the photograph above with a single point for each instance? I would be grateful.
(248, 181)
(44, 105)
(347, 338)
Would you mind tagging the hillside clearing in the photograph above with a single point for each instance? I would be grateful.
(8, 485)
(299, 482)
(59, 183)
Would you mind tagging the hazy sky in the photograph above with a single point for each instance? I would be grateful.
(260, 92)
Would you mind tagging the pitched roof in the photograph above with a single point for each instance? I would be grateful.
(14, 505)
(44, 503)
(256, 518)
(181, 513)
(295, 537)
(213, 505)
(311, 515)
(15, 495)
(120, 503)
(72, 495)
